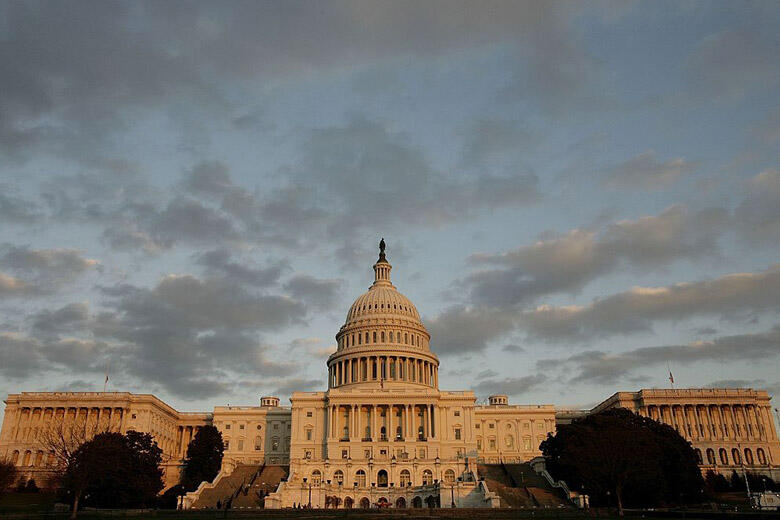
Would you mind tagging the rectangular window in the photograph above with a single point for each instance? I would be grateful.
(241, 427)
(227, 445)
(344, 454)
(492, 444)
(240, 445)
(276, 426)
(491, 426)
(227, 426)
(308, 435)
(457, 434)
(309, 414)
(457, 413)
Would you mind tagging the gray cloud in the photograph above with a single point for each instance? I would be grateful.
(66, 318)
(510, 385)
(732, 296)
(220, 262)
(461, 330)
(314, 292)
(568, 262)
(758, 216)
(609, 368)
(40, 271)
(17, 210)
(21, 356)
(735, 62)
(514, 349)
(647, 172)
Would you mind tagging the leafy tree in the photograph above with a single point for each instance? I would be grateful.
(7, 474)
(115, 470)
(715, 482)
(204, 458)
(619, 454)
(146, 475)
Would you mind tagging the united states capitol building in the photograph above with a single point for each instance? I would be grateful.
(383, 432)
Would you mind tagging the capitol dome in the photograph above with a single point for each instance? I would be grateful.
(383, 338)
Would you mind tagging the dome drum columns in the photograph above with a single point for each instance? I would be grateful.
(390, 368)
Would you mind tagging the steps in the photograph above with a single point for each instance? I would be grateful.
(227, 488)
(519, 486)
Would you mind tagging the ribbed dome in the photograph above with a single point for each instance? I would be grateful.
(382, 302)
(383, 341)
(382, 310)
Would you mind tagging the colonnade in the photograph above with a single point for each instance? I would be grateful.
(382, 337)
(383, 422)
(747, 422)
(382, 368)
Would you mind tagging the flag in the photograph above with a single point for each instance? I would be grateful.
(671, 377)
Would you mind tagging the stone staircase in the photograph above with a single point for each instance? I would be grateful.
(519, 486)
(225, 488)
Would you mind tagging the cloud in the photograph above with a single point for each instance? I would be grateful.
(461, 330)
(510, 385)
(514, 349)
(219, 262)
(285, 387)
(758, 216)
(314, 292)
(646, 172)
(17, 210)
(731, 296)
(64, 319)
(566, 263)
(609, 368)
(734, 63)
(21, 356)
(41, 271)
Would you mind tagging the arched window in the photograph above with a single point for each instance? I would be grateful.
(391, 337)
(338, 477)
(400, 503)
(748, 457)
(316, 477)
(360, 478)
(710, 456)
(417, 502)
(724, 458)
(365, 503)
(761, 456)
(348, 503)
(735, 456)
(449, 477)
(27, 456)
(405, 478)
(427, 477)
(15, 457)
(381, 478)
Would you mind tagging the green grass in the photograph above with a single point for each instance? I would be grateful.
(26, 502)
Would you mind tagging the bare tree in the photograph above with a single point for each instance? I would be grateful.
(7, 474)
(62, 439)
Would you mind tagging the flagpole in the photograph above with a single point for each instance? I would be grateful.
(105, 383)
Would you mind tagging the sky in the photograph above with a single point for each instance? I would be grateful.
(578, 196)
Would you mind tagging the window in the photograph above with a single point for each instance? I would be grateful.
(259, 427)
(457, 434)
(338, 476)
(735, 456)
(509, 441)
(724, 458)
(360, 478)
(422, 453)
(316, 477)
(227, 426)
(391, 336)
(761, 456)
(275, 444)
(307, 454)
(308, 434)
(367, 454)
(405, 478)
(258, 443)
(479, 443)
(227, 445)
(309, 414)
(491, 426)
(492, 444)
(457, 413)
(449, 477)
(276, 426)
(476, 426)
(240, 426)
(134, 416)
(427, 477)
(344, 454)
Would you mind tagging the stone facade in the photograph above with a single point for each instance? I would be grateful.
(730, 428)
(383, 431)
